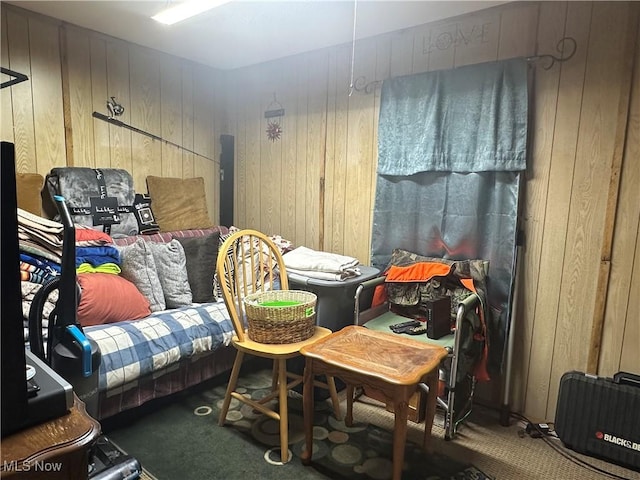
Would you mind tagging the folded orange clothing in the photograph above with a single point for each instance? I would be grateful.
(417, 272)
(85, 234)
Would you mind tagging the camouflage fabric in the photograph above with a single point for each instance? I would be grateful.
(411, 296)
(412, 293)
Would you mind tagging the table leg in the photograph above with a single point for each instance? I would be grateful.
(284, 410)
(348, 419)
(432, 383)
(307, 409)
(399, 437)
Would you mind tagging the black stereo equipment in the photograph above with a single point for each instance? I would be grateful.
(438, 317)
(600, 416)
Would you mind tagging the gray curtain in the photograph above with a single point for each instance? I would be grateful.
(452, 149)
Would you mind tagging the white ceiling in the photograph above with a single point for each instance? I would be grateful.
(246, 32)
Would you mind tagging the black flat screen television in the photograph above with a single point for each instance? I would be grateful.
(14, 378)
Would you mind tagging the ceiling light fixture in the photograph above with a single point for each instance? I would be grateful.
(186, 10)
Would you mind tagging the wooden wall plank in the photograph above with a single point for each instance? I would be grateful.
(81, 103)
(145, 114)
(287, 95)
(186, 97)
(338, 190)
(240, 163)
(360, 156)
(46, 84)
(300, 187)
(99, 94)
(219, 126)
(204, 136)
(526, 374)
(270, 150)
(285, 92)
(254, 133)
(22, 94)
(330, 153)
(630, 354)
(627, 47)
(171, 115)
(619, 351)
(402, 46)
(518, 33)
(316, 131)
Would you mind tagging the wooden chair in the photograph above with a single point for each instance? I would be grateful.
(249, 262)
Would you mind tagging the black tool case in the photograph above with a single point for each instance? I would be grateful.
(108, 462)
(600, 416)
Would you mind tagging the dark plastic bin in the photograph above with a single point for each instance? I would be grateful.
(335, 304)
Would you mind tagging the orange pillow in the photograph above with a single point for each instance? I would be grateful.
(109, 298)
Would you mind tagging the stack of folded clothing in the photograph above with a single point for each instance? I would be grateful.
(95, 252)
(40, 242)
(40, 247)
(321, 265)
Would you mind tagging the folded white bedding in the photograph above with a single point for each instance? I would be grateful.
(350, 273)
(306, 259)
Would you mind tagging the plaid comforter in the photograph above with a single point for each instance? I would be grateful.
(135, 348)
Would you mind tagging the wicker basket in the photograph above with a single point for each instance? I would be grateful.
(281, 316)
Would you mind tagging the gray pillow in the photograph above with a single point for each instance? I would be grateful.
(139, 267)
(201, 254)
(171, 265)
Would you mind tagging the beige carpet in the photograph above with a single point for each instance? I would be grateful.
(147, 476)
(502, 452)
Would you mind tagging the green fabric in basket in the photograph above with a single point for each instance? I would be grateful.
(280, 303)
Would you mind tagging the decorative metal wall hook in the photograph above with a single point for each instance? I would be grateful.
(362, 86)
(567, 47)
(274, 109)
(115, 109)
(274, 112)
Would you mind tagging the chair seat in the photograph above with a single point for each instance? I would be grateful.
(271, 349)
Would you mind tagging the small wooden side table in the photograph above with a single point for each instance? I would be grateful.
(56, 449)
(388, 363)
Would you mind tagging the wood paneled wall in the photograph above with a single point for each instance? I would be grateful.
(316, 185)
(73, 72)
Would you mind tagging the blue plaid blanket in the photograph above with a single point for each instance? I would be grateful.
(135, 348)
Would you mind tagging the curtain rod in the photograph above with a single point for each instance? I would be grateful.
(560, 47)
(118, 123)
(569, 44)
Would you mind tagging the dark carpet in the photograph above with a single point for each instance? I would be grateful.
(181, 440)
